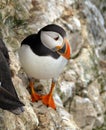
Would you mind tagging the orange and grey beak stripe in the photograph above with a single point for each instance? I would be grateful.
(65, 49)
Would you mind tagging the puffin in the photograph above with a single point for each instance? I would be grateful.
(43, 55)
(9, 99)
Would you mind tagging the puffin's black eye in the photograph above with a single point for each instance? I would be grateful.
(56, 38)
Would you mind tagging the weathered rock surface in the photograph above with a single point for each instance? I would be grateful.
(80, 94)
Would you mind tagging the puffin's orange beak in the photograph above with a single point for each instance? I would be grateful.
(65, 49)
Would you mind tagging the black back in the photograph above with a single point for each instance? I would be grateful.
(37, 47)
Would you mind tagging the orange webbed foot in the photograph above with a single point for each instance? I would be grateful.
(34, 96)
(48, 101)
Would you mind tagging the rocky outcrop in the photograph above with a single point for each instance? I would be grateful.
(80, 94)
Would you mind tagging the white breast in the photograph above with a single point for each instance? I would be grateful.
(40, 67)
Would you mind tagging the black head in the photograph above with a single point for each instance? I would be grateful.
(54, 28)
(47, 41)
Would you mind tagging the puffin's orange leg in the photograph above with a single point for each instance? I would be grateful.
(48, 99)
(34, 96)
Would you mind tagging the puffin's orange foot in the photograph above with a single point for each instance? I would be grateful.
(48, 101)
(35, 97)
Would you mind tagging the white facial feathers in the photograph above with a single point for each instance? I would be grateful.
(51, 39)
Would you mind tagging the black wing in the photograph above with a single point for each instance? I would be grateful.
(8, 97)
(4, 50)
